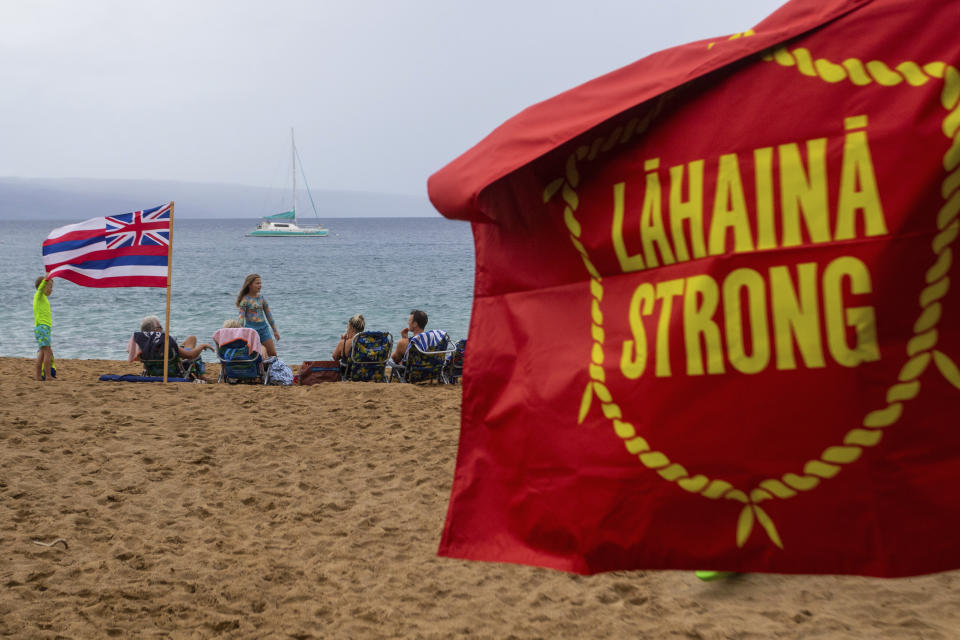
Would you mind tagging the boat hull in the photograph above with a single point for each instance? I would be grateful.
(302, 233)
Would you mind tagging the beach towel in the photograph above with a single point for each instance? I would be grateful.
(151, 343)
(129, 377)
(428, 340)
(248, 335)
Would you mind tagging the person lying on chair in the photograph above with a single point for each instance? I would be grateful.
(151, 337)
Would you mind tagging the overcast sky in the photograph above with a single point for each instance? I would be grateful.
(381, 93)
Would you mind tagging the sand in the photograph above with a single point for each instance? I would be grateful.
(194, 511)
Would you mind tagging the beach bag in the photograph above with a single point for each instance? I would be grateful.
(315, 371)
(280, 373)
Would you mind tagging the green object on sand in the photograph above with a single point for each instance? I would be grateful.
(710, 576)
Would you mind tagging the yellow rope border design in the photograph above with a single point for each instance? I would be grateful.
(920, 349)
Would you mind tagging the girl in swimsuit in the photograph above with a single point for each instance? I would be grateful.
(255, 313)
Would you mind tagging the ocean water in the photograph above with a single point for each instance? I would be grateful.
(380, 267)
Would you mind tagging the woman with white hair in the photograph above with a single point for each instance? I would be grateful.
(152, 333)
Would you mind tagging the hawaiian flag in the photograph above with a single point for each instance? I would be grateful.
(126, 250)
(716, 317)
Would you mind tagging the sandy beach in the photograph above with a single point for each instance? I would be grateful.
(193, 511)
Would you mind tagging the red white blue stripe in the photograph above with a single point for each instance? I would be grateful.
(128, 250)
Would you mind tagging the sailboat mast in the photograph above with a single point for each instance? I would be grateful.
(293, 153)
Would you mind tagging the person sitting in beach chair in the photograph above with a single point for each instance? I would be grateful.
(183, 361)
(241, 355)
(416, 323)
(429, 350)
(426, 359)
(367, 359)
(355, 325)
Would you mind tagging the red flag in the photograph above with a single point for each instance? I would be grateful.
(713, 324)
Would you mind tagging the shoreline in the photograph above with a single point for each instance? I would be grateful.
(199, 510)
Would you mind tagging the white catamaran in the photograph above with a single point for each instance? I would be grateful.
(283, 225)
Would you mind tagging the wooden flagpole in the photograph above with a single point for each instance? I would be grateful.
(166, 333)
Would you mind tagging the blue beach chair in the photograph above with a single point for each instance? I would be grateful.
(455, 363)
(238, 364)
(368, 357)
(151, 355)
(425, 362)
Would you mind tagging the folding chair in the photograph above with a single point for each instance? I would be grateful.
(426, 359)
(368, 357)
(240, 358)
(151, 356)
(455, 363)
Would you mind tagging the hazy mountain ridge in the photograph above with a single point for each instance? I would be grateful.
(81, 198)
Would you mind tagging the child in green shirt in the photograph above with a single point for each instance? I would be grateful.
(43, 321)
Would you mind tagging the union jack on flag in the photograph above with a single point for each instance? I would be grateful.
(126, 250)
(150, 227)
